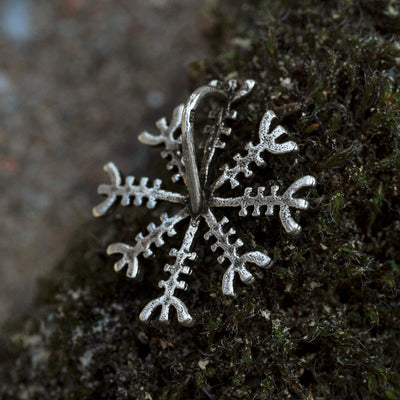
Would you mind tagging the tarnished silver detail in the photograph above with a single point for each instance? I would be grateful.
(260, 199)
(267, 143)
(179, 267)
(200, 198)
(130, 191)
(173, 146)
(230, 252)
(155, 236)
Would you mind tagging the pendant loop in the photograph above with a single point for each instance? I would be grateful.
(188, 145)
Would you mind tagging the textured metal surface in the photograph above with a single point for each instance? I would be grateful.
(178, 139)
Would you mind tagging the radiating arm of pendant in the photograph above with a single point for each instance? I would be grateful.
(230, 252)
(268, 142)
(171, 139)
(169, 298)
(259, 200)
(143, 244)
(130, 191)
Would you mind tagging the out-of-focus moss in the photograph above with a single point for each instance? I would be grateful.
(323, 321)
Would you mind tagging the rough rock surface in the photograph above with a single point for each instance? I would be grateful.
(78, 80)
(323, 321)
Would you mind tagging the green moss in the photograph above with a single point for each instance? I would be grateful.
(323, 320)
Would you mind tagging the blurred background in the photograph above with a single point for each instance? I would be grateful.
(79, 80)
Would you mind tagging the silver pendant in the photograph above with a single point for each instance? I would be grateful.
(200, 197)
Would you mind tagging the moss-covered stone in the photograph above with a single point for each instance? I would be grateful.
(323, 321)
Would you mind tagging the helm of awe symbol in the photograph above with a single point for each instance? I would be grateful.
(200, 198)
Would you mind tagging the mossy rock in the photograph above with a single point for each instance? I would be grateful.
(323, 321)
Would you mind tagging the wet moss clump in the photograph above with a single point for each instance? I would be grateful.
(323, 321)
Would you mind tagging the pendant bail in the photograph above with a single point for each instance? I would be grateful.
(188, 145)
